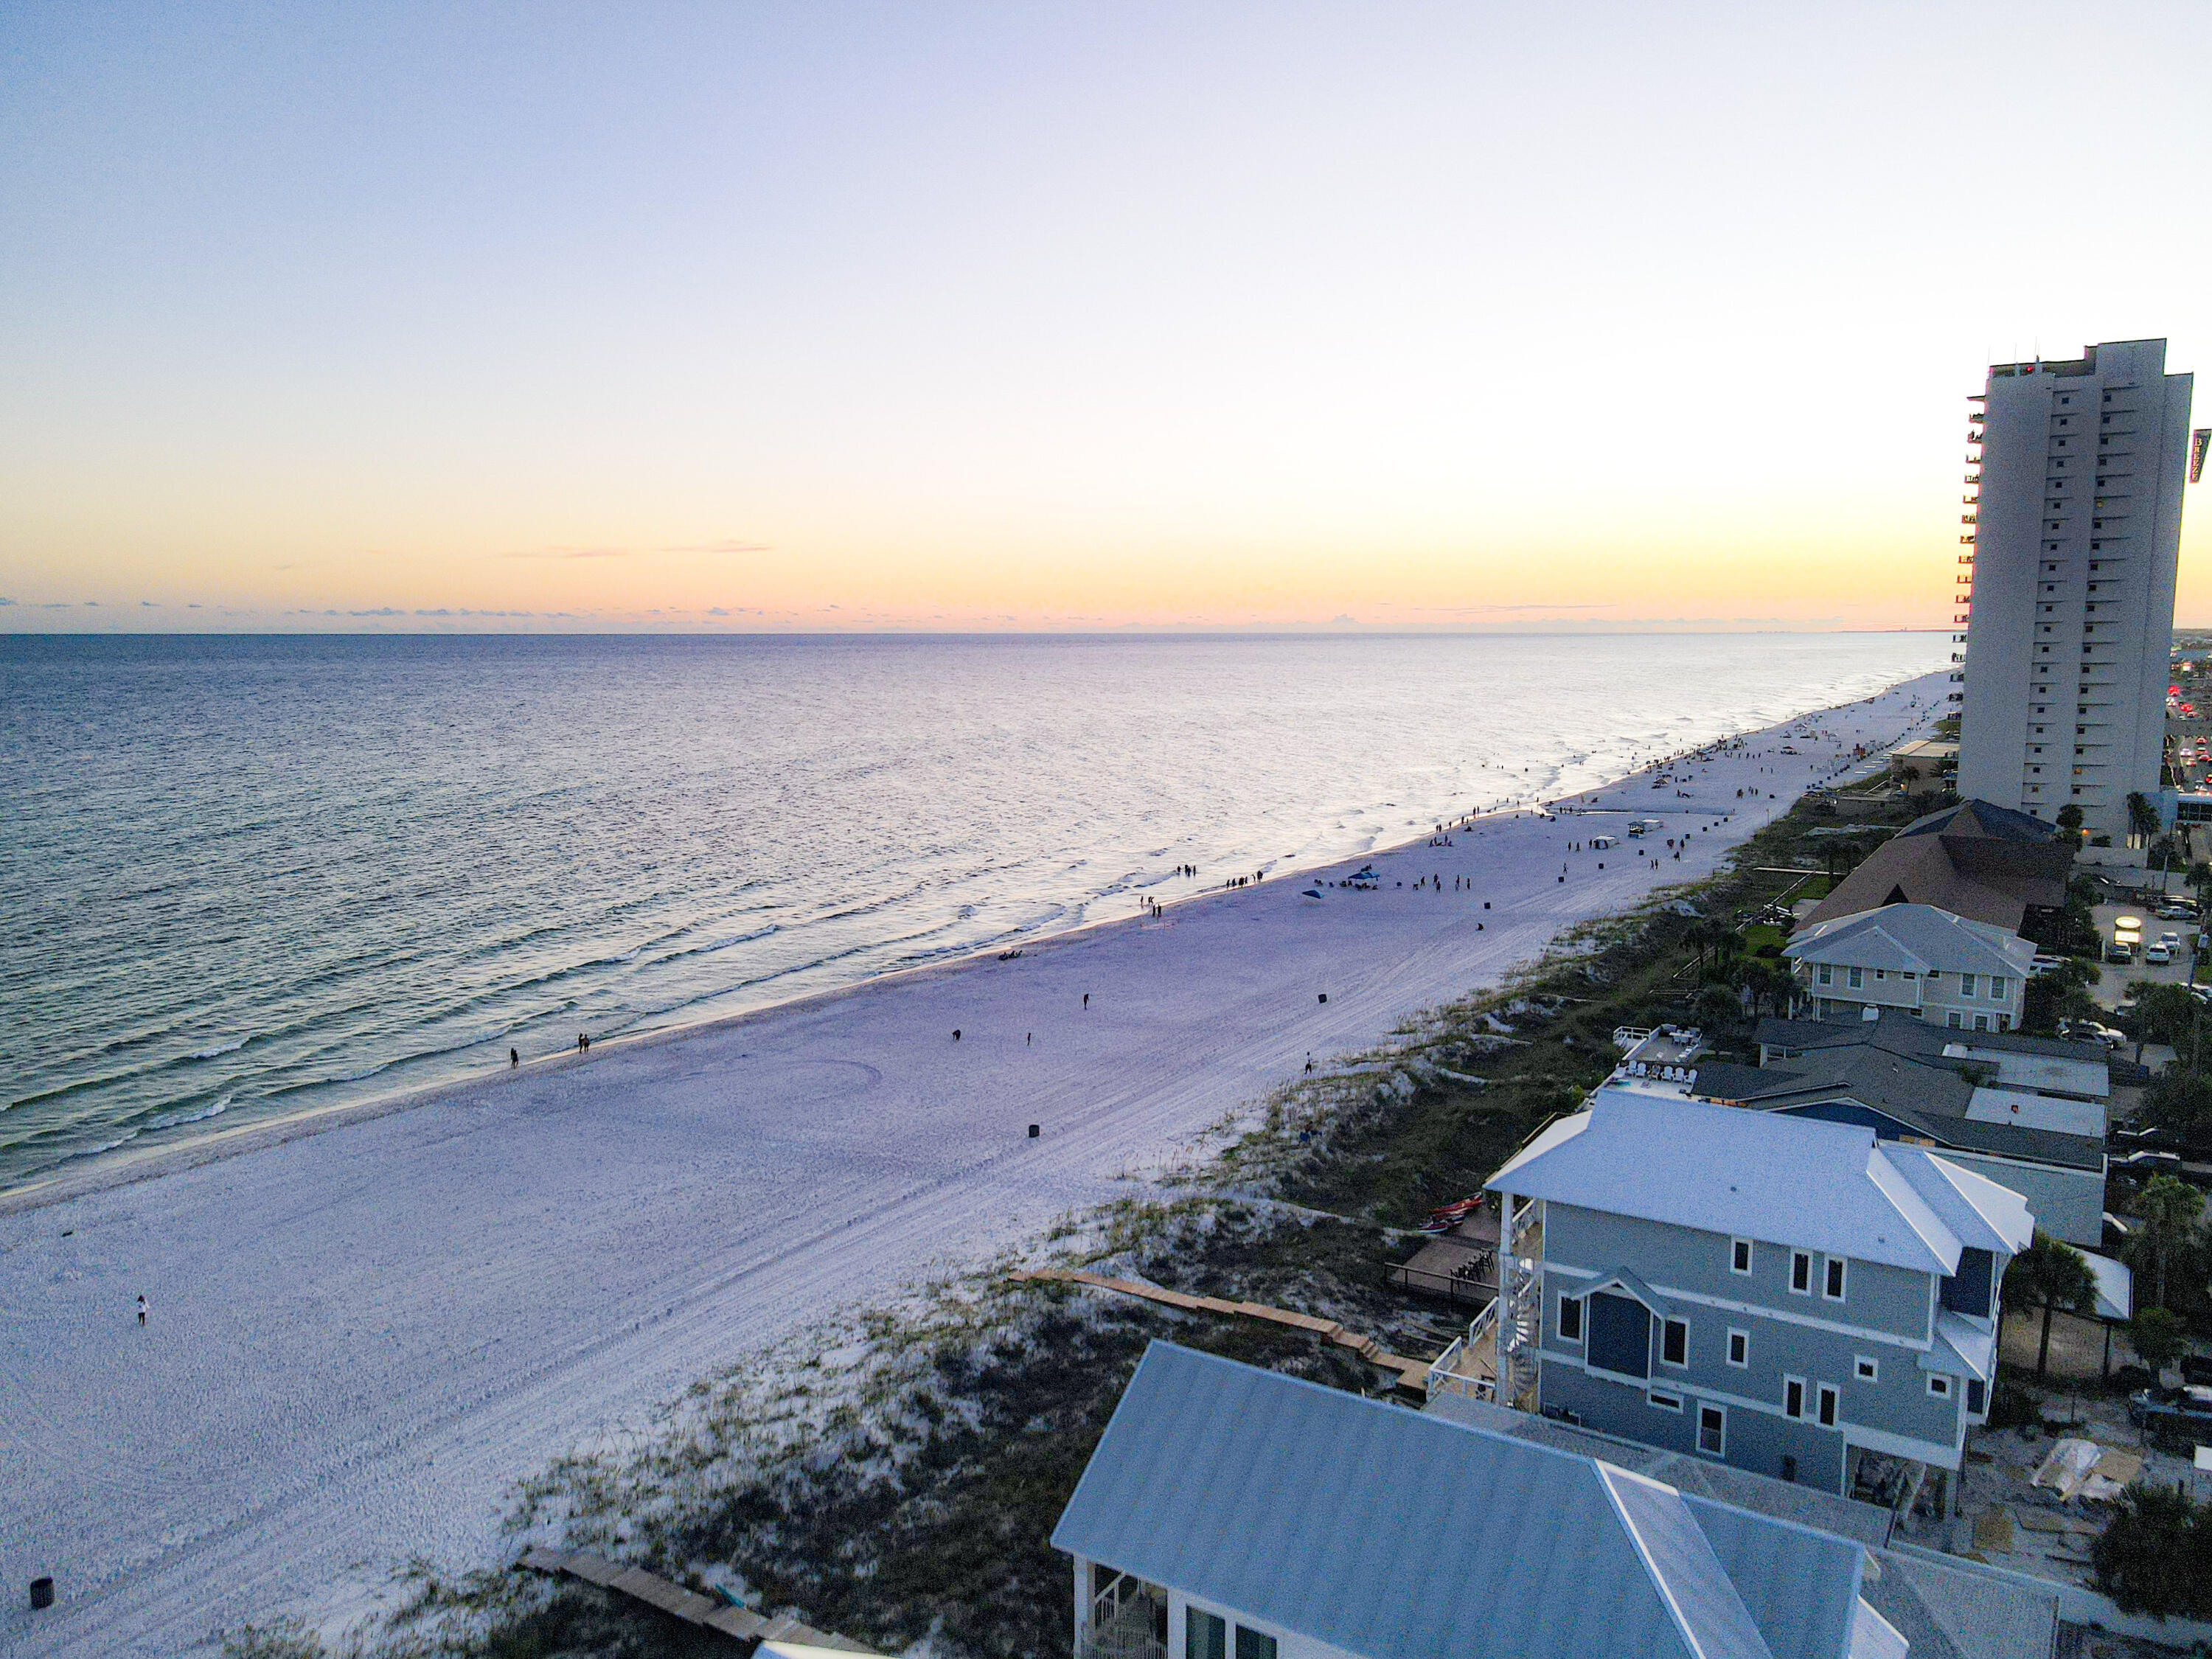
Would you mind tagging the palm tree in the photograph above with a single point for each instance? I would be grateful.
(2050, 1275)
(1706, 933)
(2169, 1208)
(2142, 816)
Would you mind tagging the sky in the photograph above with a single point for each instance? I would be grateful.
(1059, 316)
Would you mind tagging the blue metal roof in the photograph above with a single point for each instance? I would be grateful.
(1768, 1176)
(1387, 1532)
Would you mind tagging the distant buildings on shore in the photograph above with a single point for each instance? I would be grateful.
(2072, 533)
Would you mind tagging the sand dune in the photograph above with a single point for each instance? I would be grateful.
(360, 1337)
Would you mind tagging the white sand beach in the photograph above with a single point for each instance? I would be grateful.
(360, 1337)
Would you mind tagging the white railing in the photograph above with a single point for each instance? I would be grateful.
(1124, 1625)
(1445, 1375)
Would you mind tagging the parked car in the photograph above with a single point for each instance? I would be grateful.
(2089, 1031)
(2117, 951)
(2171, 939)
(2157, 954)
(2178, 913)
(2189, 1404)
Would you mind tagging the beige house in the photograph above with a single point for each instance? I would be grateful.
(1914, 958)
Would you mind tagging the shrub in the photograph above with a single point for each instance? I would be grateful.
(2156, 1555)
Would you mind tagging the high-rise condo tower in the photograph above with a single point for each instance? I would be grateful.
(2072, 530)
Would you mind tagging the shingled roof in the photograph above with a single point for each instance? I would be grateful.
(1977, 860)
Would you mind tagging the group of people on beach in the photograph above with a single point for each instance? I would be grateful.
(514, 1055)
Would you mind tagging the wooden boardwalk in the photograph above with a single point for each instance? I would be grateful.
(740, 1624)
(1411, 1373)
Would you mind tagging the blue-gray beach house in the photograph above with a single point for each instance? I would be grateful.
(1231, 1513)
(1780, 1293)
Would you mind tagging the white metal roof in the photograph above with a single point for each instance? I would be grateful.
(1962, 1348)
(2050, 1073)
(1404, 1535)
(1768, 1176)
(2030, 1110)
(2116, 1287)
(1913, 938)
(1978, 1211)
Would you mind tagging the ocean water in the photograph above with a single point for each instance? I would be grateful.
(241, 876)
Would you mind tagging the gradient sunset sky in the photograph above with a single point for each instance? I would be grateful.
(1062, 316)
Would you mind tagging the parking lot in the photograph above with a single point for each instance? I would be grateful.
(2114, 978)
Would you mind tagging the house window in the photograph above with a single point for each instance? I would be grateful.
(1858, 977)
(1833, 1290)
(1938, 1385)
(1981, 1022)
(1740, 1256)
(1997, 987)
(1739, 1348)
(1250, 1644)
(1865, 1369)
(1827, 974)
(1967, 982)
(1827, 1406)
(1934, 978)
(1801, 1272)
(1977, 1397)
(1793, 1396)
(1712, 1430)
(1571, 1319)
(1206, 1635)
(1958, 1020)
(1665, 1402)
(1675, 1343)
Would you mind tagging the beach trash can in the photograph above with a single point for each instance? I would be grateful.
(1324, 996)
(1033, 1131)
(42, 1592)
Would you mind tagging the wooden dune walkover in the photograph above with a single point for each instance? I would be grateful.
(740, 1624)
(1411, 1373)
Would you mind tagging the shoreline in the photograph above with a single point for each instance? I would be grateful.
(106, 1171)
(361, 1341)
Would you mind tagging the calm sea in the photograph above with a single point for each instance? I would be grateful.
(241, 876)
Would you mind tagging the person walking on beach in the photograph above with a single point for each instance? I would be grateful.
(513, 1058)
(141, 1312)
(1086, 999)
(956, 1034)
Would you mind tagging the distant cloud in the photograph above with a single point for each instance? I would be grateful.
(728, 546)
(55, 605)
(1341, 618)
(148, 605)
(385, 610)
(439, 612)
(92, 604)
(571, 553)
(1477, 609)
(6, 602)
(716, 611)
(194, 605)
